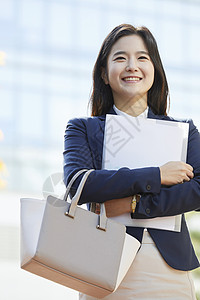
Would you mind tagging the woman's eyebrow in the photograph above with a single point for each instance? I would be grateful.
(119, 53)
(142, 52)
(125, 53)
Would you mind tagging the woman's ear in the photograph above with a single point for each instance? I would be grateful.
(104, 76)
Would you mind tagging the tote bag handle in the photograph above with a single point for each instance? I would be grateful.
(74, 202)
(72, 181)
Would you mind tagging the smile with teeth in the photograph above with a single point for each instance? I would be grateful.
(132, 79)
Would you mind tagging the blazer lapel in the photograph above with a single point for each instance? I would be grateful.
(103, 118)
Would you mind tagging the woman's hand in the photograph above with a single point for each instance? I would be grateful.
(116, 207)
(175, 172)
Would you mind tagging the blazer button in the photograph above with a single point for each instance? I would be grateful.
(148, 187)
(148, 210)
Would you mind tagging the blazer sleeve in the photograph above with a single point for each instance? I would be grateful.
(180, 198)
(101, 185)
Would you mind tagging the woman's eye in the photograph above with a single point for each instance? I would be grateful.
(143, 57)
(120, 58)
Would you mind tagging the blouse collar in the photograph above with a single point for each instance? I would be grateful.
(122, 113)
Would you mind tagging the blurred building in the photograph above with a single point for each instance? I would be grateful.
(48, 49)
(47, 52)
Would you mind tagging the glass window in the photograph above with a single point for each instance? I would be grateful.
(172, 9)
(30, 78)
(60, 25)
(60, 83)
(192, 45)
(88, 29)
(191, 11)
(171, 42)
(30, 117)
(61, 110)
(6, 104)
(31, 14)
(6, 76)
(7, 10)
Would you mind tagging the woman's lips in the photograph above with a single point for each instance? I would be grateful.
(131, 79)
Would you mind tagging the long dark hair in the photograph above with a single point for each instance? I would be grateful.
(101, 99)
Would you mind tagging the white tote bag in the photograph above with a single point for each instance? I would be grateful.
(75, 247)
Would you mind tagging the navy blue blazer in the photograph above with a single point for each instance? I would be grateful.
(83, 149)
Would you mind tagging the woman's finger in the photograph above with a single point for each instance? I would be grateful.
(190, 174)
(186, 179)
(189, 167)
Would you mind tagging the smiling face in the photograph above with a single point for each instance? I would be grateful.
(130, 71)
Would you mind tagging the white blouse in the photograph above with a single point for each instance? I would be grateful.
(122, 113)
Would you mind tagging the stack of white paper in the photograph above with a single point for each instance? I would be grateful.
(137, 143)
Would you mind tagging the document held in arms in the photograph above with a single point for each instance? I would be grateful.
(136, 142)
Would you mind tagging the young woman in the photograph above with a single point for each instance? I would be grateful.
(129, 78)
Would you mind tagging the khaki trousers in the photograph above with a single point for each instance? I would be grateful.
(150, 278)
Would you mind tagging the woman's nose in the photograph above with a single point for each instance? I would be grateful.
(131, 66)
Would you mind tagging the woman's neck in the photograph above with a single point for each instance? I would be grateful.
(134, 109)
